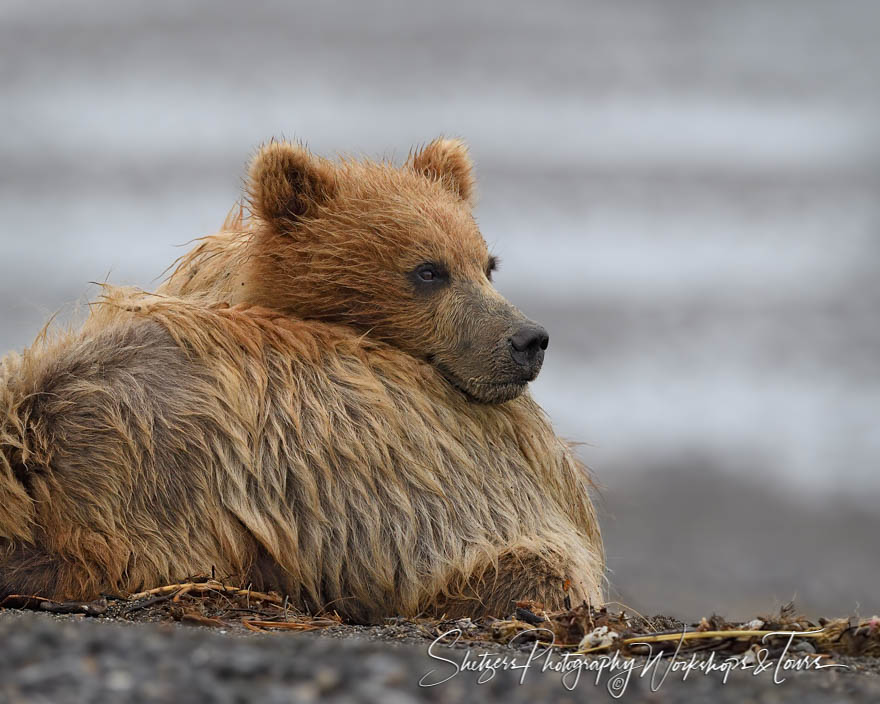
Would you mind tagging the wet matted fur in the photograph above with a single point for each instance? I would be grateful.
(345, 241)
(171, 437)
(347, 434)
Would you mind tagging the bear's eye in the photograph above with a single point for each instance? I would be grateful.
(429, 273)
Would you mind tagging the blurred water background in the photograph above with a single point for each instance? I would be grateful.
(684, 193)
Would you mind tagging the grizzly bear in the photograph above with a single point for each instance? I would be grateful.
(332, 405)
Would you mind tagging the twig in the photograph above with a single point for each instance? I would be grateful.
(93, 608)
(209, 586)
(257, 625)
(38, 603)
(148, 603)
(693, 635)
(21, 601)
(199, 620)
(181, 593)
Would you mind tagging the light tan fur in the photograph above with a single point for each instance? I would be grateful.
(297, 409)
(171, 437)
(338, 242)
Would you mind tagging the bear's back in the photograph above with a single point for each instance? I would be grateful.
(329, 466)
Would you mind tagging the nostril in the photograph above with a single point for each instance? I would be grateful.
(543, 340)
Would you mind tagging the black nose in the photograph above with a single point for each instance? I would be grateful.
(527, 345)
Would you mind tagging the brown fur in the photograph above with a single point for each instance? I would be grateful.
(338, 242)
(171, 437)
(343, 433)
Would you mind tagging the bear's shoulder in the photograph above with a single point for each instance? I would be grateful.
(209, 328)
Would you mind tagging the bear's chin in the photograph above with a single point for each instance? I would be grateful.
(490, 393)
(486, 391)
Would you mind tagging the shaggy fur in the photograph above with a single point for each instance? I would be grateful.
(340, 242)
(170, 437)
(301, 410)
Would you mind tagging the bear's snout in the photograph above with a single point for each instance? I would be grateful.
(527, 347)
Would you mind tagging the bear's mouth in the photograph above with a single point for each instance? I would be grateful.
(476, 391)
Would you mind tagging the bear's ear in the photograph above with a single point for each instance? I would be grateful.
(448, 161)
(288, 183)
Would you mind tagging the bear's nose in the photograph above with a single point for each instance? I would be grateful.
(527, 345)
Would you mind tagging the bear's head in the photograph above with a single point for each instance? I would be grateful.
(394, 253)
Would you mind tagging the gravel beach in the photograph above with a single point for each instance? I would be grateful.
(69, 659)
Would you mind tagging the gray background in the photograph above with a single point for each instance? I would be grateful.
(684, 193)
